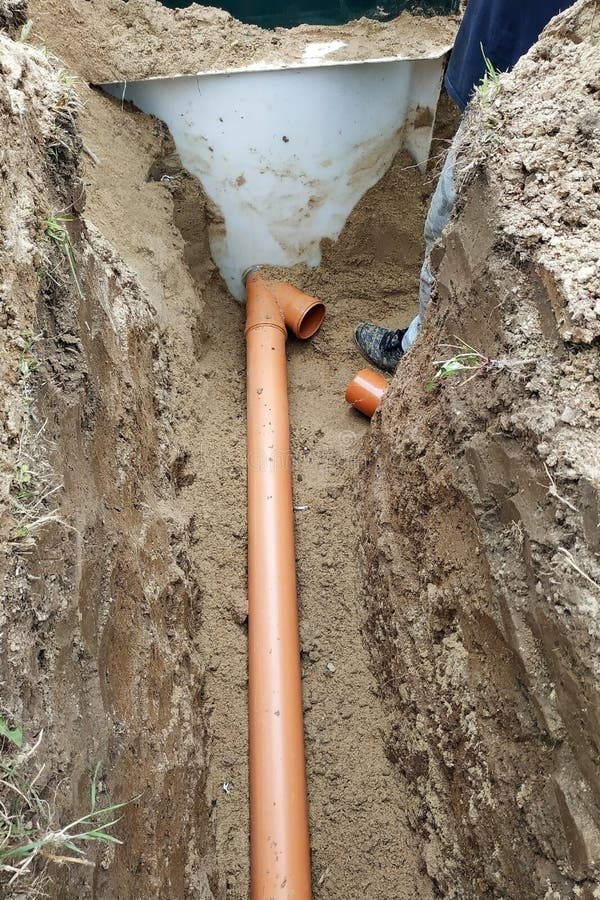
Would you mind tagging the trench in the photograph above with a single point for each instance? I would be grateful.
(353, 795)
(363, 842)
(447, 553)
(357, 798)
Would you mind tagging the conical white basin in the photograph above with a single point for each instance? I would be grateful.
(285, 154)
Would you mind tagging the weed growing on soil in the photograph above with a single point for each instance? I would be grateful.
(490, 83)
(28, 361)
(66, 106)
(55, 229)
(31, 483)
(26, 31)
(29, 503)
(14, 735)
(67, 103)
(30, 837)
(467, 360)
(488, 92)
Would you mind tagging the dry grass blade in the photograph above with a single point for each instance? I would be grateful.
(29, 836)
(574, 565)
(55, 228)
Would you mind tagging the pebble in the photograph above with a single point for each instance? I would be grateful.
(569, 415)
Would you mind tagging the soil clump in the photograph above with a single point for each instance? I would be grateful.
(116, 41)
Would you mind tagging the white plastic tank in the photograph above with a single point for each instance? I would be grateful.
(286, 153)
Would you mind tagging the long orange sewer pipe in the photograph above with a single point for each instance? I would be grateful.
(279, 839)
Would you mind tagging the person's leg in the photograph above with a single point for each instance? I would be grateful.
(385, 347)
(438, 216)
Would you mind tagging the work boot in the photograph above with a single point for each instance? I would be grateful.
(382, 346)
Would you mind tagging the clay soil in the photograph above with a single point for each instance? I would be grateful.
(480, 501)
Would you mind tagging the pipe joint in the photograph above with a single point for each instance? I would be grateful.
(261, 306)
(282, 305)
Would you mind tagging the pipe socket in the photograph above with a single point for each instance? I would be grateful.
(366, 391)
(302, 314)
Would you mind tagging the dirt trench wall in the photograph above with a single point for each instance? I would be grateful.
(480, 503)
(99, 617)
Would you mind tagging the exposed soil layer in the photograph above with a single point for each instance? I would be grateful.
(13, 15)
(547, 163)
(99, 615)
(124, 624)
(480, 503)
(116, 41)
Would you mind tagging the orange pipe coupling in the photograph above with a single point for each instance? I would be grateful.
(366, 390)
(279, 840)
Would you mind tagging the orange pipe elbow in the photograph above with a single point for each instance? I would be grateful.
(366, 391)
(279, 838)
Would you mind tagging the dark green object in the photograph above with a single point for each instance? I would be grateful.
(271, 14)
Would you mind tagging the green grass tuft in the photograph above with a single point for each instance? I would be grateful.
(55, 229)
(466, 360)
(30, 837)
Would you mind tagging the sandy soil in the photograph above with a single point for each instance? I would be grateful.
(548, 163)
(98, 615)
(116, 41)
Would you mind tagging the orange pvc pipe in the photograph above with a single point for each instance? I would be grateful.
(366, 390)
(279, 839)
(303, 314)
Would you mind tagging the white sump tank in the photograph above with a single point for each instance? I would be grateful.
(286, 153)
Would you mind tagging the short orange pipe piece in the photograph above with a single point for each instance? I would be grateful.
(366, 390)
(279, 839)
